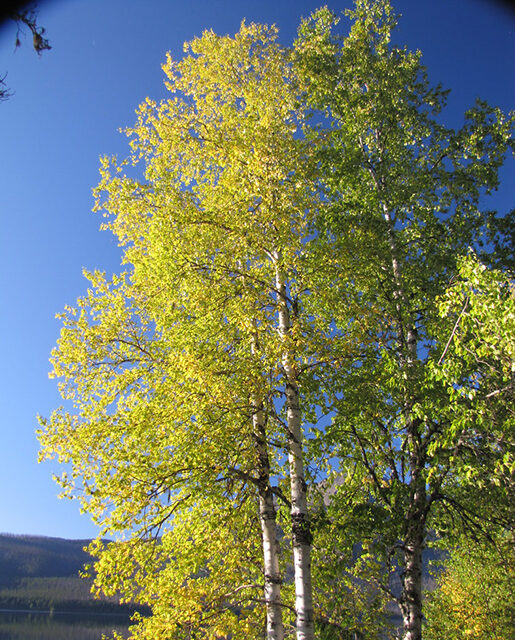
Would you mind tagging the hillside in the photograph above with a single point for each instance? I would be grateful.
(43, 573)
(39, 557)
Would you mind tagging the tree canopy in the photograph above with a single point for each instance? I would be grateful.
(304, 370)
(403, 195)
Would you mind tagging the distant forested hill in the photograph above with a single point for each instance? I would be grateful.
(31, 557)
(43, 573)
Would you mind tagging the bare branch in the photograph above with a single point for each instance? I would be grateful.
(455, 328)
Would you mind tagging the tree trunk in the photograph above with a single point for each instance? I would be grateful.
(267, 518)
(301, 527)
(414, 536)
(411, 596)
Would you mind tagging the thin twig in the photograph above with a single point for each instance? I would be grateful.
(453, 331)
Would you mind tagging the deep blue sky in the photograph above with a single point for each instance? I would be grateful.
(68, 106)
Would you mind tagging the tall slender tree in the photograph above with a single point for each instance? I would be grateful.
(190, 375)
(403, 196)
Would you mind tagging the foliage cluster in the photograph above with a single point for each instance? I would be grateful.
(474, 599)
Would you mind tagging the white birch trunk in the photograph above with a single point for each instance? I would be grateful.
(268, 522)
(267, 519)
(411, 597)
(301, 529)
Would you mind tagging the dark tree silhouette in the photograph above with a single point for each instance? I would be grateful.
(25, 17)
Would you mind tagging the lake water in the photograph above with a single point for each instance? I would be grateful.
(33, 625)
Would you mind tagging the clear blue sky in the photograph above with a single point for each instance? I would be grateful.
(68, 106)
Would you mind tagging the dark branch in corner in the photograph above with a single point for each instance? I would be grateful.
(28, 17)
(25, 18)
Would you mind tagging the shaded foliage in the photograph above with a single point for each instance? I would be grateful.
(474, 596)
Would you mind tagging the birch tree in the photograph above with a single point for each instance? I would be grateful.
(121, 378)
(189, 376)
(403, 197)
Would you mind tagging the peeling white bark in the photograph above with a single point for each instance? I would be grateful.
(301, 530)
(268, 522)
(267, 519)
(411, 596)
(411, 600)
